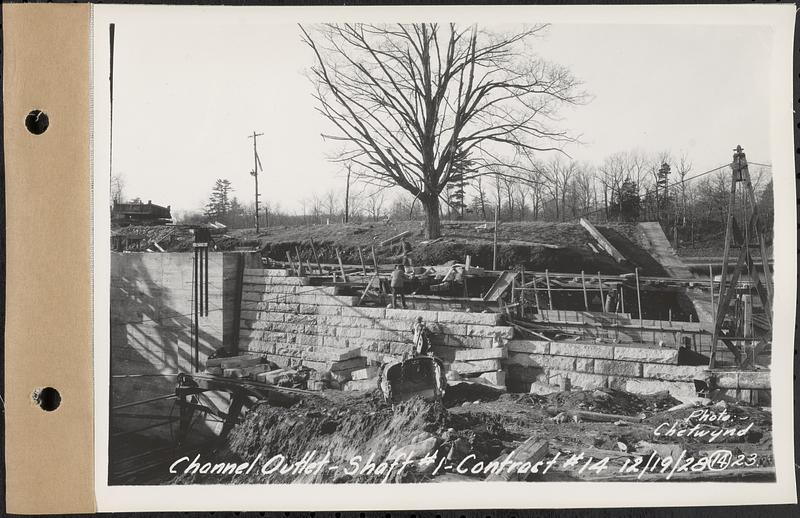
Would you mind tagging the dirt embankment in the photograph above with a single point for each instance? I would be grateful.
(562, 247)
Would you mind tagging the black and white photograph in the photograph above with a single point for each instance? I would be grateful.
(405, 247)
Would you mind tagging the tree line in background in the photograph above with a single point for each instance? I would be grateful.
(625, 187)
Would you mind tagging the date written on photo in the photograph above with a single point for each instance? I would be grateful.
(313, 463)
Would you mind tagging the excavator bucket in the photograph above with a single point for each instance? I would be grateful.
(422, 376)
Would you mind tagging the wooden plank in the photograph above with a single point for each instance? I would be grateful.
(316, 257)
(396, 238)
(604, 243)
(341, 266)
(363, 265)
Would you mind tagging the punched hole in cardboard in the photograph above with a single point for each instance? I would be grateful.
(47, 398)
(37, 122)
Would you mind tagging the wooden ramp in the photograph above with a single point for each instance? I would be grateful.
(661, 249)
(500, 286)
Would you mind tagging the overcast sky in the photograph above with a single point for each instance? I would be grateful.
(187, 92)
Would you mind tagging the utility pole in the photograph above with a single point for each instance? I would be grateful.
(256, 167)
(347, 195)
(496, 223)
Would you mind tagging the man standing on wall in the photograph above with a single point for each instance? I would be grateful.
(397, 285)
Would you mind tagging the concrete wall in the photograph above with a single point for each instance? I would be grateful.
(151, 325)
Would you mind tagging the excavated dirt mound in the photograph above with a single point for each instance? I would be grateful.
(475, 424)
(358, 425)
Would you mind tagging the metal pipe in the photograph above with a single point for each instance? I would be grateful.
(196, 308)
(205, 278)
(144, 428)
(143, 402)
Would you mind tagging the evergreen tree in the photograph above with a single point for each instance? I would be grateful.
(462, 169)
(626, 202)
(219, 202)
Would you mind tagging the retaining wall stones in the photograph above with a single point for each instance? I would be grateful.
(639, 368)
(287, 319)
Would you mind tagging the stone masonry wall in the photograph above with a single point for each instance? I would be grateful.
(285, 317)
(638, 368)
(291, 322)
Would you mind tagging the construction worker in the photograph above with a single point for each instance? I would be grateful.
(398, 284)
(611, 302)
(421, 334)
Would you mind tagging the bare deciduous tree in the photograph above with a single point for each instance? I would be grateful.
(414, 100)
(117, 188)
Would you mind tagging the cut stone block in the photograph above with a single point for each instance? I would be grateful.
(261, 315)
(410, 315)
(506, 332)
(676, 389)
(672, 372)
(367, 384)
(255, 369)
(727, 380)
(618, 368)
(365, 373)
(353, 363)
(476, 366)
(646, 354)
(286, 281)
(756, 380)
(495, 378)
(233, 362)
(584, 365)
(542, 360)
(315, 365)
(486, 319)
(582, 350)
(473, 342)
(529, 346)
(577, 379)
(330, 354)
(495, 353)
(364, 312)
(282, 361)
